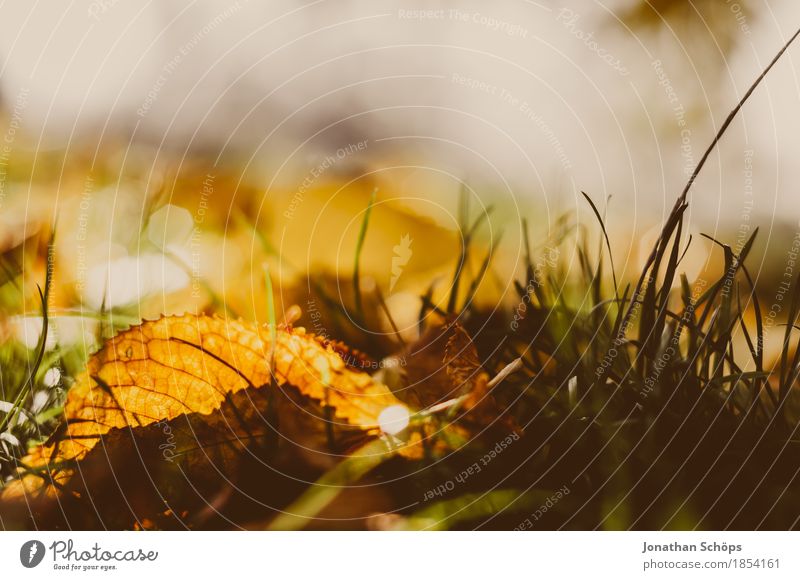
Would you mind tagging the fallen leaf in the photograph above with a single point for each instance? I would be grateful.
(181, 365)
(462, 362)
(469, 379)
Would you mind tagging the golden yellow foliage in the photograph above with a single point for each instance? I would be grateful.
(189, 364)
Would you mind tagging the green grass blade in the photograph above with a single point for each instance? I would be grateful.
(362, 234)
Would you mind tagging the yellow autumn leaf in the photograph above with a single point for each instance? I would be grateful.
(189, 364)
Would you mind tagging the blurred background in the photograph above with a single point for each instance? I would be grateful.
(163, 135)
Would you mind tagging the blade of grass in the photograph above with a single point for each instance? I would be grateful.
(327, 488)
(608, 242)
(463, 251)
(27, 385)
(722, 130)
(362, 234)
(389, 316)
(272, 321)
(449, 513)
(473, 288)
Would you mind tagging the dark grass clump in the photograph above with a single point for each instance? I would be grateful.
(636, 403)
(632, 400)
